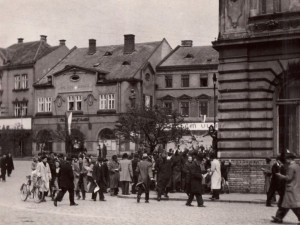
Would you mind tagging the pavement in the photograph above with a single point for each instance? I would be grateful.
(126, 211)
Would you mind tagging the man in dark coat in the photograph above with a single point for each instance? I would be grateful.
(291, 198)
(135, 176)
(176, 171)
(66, 183)
(275, 184)
(10, 164)
(99, 178)
(187, 173)
(164, 175)
(3, 166)
(196, 182)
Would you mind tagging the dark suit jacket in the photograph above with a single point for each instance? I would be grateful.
(66, 177)
(99, 174)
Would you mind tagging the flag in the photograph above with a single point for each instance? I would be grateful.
(69, 122)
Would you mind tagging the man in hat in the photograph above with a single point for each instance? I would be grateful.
(291, 198)
(99, 179)
(144, 169)
(66, 182)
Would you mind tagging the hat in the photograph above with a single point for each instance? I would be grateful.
(290, 155)
(145, 155)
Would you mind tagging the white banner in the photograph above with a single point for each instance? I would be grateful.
(16, 123)
(199, 126)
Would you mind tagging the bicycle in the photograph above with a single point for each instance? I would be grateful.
(35, 193)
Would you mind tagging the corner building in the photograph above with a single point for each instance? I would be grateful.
(96, 84)
(259, 83)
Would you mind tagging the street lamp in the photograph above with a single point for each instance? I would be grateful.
(215, 81)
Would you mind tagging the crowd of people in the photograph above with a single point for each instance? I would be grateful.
(6, 166)
(192, 172)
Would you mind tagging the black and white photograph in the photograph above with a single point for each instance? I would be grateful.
(149, 112)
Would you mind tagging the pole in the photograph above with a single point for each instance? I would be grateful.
(214, 81)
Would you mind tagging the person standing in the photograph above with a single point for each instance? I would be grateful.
(99, 179)
(10, 164)
(66, 183)
(176, 171)
(114, 175)
(82, 183)
(195, 174)
(3, 165)
(164, 174)
(144, 169)
(102, 151)
(187, 174)
(43, 171)
(216, 179)
(275, 184)
(125, 174)
(291, 197)
(267, 170)
(135, 176)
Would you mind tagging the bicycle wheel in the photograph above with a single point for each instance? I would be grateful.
(37, 194)
(24, 192)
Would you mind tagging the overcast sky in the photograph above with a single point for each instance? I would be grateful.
(108, 20)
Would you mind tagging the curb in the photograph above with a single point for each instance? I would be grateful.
(181, 199)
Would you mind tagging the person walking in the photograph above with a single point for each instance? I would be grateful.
(216, 179)
(10, 164)
(55, 177)
(176, 171)
(114, 175)
(82, 183)
(187, 174)
(43, 171)
(125, 174)
(291, 197)
(66, 183)
(267, 171)
(135, 175)
(164, 174)
(144, 169)
(275, 184)
(99, 179)
(195, 175)
(3, 166)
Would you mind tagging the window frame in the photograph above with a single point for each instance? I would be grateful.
(185, 80)
(20, 108)
(75, 99)
(168, 81)
(107, 101)
(199, 107)
(203, 76)
(181, 108)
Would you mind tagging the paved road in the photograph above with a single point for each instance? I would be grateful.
(117, 211)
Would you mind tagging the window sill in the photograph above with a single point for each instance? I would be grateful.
(106, 111)
(20, 90)
(43, 114)
(76, 112)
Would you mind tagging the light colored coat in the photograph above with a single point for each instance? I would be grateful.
(114, 173)
(125, 170)
(45, 174)
(216, 174)
(291, 197)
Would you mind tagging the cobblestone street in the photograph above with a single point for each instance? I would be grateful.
(122, 211)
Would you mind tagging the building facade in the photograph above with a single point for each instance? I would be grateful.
(184, 82)
(96, 84)
(21, 65)
(259, 48)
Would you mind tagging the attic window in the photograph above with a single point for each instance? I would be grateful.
(75, 78)
(49, 79)
(189, 56)
(108, 53)
(126, 63)
(100, 77)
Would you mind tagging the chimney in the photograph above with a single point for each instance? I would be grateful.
(129, 45)
(187, 43)
(92, 46)
(62, 42)
(44, 38)
(20, 40)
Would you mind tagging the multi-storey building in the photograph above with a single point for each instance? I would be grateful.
(259, 82)
(96, 84)
(21, 65)
(184, 82)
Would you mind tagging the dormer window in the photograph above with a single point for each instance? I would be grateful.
(108, 53)
(189, 56)
(49, 79)
(100, 77)
(126, 63)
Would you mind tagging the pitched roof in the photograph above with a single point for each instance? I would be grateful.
(113, 62)
(191, 56)
(26, 53)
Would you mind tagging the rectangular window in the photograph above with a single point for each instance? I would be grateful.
(17, 82)
(184, 107)
(169, 81)
(74, 103)
(203, 108)
(203, 80)
(44, 104)
(24, 81)
(20, 109)
(107, 101)
(168, 107)
(185, 80)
